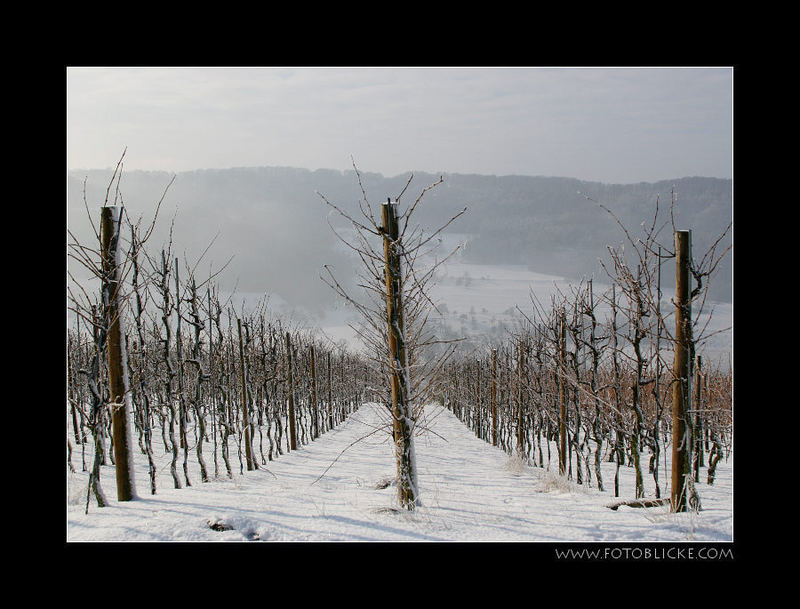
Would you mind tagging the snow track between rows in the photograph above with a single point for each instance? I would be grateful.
(339, 488)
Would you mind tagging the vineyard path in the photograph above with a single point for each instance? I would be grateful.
(338, 488)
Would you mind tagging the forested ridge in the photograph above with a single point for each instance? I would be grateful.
(273, 223)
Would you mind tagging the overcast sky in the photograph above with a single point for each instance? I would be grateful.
(614, 125)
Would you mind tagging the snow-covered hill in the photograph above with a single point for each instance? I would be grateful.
(338, 489)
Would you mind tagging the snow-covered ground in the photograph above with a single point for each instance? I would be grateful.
(335, 490)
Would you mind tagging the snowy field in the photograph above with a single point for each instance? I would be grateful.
(335, 490)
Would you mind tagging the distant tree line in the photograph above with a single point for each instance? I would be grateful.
(545, 223)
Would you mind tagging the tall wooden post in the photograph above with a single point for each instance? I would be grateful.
(562, 395)
(330, 391)
(290, 391)
(314, 402)
(478, 402)
(117, 379)
(697, 428)
(494, 397)
(248, 448)
(681, 390)
(181, 396)
(212, 370)
(520, 405)
(398, 365)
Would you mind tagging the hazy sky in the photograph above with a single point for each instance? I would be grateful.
(617, 125)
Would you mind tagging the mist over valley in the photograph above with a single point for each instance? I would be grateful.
(519, 235)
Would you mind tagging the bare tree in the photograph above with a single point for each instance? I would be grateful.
(648, 321)
(395, 271)
(108, 265)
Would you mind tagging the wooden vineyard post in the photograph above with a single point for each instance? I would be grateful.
(212, 370)
(519, 412)
(477, 415)
(117, 380)
(520, 405)
(681, 363)
(494, 397)
(248, 448)
(314, 402)
(398, 365)
(697, 439)
(181, 397)
(290, 391)
(330, 392)
(562, 396)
